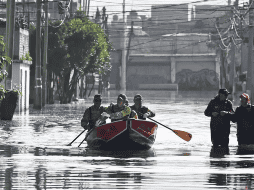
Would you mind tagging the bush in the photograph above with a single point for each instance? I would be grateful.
(27, 57)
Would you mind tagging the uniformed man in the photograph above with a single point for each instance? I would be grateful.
(142, 111)
(93, 115)
(220, 110)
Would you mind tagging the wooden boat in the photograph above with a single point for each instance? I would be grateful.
(130, 134)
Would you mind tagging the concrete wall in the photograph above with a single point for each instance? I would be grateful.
(182, 43)
(189, 72)
(143, 73)
(24, 42)
(21, 41)
(21, 81)
(197, 73)
(169, 13)
(20, 69)
(148, 45)
(116, 61)
(201, 12)
(194, 63)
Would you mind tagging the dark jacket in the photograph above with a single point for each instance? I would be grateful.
(245, 124)
(142, 111)
(90, 117)
(219, 125)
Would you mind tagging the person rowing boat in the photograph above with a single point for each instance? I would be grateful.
(142, 111)
(92, 116)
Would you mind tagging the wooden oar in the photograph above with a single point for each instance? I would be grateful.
(184, 135)
(86, 136)
(76, 138)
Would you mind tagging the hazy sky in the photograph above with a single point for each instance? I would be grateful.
(144, 6)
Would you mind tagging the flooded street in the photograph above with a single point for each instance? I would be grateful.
(34, 152)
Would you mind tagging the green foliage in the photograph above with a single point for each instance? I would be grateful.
(27, 57)
(4, 60)
(76, 48)
(16, 89)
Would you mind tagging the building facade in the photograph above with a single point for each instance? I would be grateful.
(20, 68)
(165, 53)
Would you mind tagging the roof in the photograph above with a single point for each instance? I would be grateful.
(187, 34)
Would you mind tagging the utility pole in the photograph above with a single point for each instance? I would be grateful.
(10, 29)
(252, 67)
(8, 9)
(28, 18)
(123, 67)
(175, 39)
(38, 86)
(250, 74)
(129, 44)
(45, 56)
(88, 8)
(70, 10)
(232, 69)
(23, 6)
(84, 5)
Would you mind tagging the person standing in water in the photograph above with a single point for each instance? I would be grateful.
(244, 117)
(220, 110)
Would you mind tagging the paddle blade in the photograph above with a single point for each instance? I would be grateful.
(184, 135)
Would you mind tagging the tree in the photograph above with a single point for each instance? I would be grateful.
(76, 48)
(4, 60)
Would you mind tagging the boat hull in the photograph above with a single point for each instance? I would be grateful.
(123, 135)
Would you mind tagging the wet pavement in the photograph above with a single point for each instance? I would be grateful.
(34, 152)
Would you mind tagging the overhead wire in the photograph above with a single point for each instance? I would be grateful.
(157, 39)
(171, 5)
(178, 5)
(222, 39)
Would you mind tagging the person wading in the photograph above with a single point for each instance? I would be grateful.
(142, 111)
(220, 110)
(93, 115)
(244, 116)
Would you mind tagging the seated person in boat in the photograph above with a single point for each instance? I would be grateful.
(93, 115)
(120, 111)
(244, 116)
(142, 111)
(133, 114)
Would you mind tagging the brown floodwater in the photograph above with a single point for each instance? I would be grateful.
(34, 152)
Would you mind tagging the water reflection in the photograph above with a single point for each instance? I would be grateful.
(34, 155)
(224, 178)
(218, 179)
(55, 167)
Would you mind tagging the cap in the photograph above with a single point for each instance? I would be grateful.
(246, 96)
(97, 97)
(224, 91)
(123, 96)
(138, 96)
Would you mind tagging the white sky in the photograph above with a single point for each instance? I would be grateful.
(144, 6)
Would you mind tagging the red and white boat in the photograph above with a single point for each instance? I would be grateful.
(130, 134)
